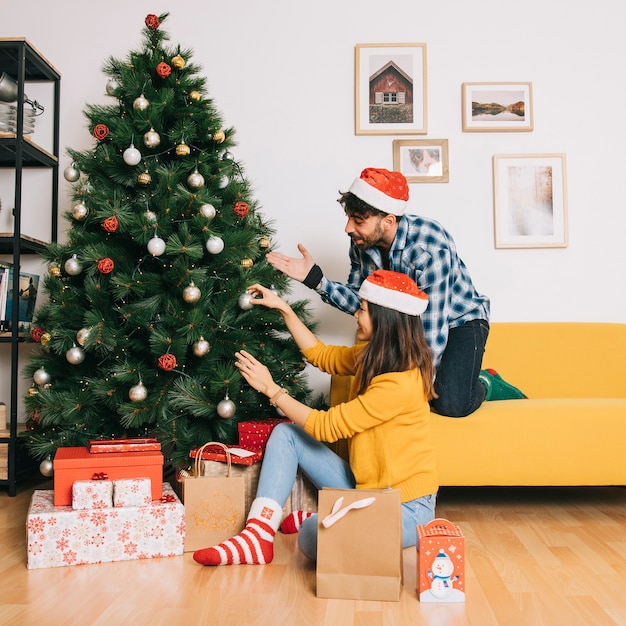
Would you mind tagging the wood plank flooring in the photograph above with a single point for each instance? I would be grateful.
(534, 556)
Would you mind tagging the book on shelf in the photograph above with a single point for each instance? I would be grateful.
(27, 294)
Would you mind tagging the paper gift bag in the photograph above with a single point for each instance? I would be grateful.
(214, 505)
(359, 544)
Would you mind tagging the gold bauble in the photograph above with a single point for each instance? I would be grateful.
(144, 178)
(45, 339)
(178, 62)
(219, 136)
(182, 149)
(264, 243)
(55, 271)
(247, 263)
(194, 95)
(32, 391)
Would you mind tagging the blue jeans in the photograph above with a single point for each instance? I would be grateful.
(288, 448)
(457, 385)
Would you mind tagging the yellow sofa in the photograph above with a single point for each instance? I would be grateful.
(570, 431)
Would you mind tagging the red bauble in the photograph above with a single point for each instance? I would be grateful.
(100, 131)
(110, 224)
(166, 362)
(106, 265)
(163, 69)
(241, 209)
(152, 21)
(36, 333)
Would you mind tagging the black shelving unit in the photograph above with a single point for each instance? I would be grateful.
(22, 62)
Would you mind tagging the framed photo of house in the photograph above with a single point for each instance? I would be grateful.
(497, 107)
(530, 201)
(390, 89)
(421, 160)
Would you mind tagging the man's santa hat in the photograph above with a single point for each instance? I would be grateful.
(395, 291)
(384, 190)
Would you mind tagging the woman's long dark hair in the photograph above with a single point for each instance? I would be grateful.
(397, 345)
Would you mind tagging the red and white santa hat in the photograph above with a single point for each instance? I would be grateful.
(384, 190)
(394, 290)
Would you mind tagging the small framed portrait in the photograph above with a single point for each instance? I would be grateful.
(390, 89)
(530, 201)
(497, 107)
(421, 160)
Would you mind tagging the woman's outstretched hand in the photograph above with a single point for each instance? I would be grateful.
(256, 374)
(266, 297)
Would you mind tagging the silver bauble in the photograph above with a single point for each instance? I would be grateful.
(195, 180)
(73, 266)
(75, 355)
(141, 103)
(71, 173)
(214, 244)
(80, 211)
(156, 246)
(138, 392)
(41, 377)
(150, 216)
(245, 301)
(226, 408)
(191, 293)
(224, 182)
(131, 155)
(46, 467)
(208, 211)
(227, 156)
(151, 139)
(201, 347)
(112, 87)
(82, 335)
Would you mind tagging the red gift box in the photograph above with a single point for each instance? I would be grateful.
(217, 453)
(72, 464)
(137, 444)
(255, 433)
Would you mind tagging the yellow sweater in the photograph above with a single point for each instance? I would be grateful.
(387, 427)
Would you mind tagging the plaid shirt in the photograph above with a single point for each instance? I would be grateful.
(425, 251)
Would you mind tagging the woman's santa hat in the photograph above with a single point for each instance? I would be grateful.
(394, 290)
(384, 190)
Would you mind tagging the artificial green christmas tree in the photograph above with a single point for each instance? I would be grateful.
(147, 299)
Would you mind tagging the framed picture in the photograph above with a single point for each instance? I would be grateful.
(390, 89)
(497, 107)
(530, 201)
(421, 160)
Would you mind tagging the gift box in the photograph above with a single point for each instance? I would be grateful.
(72, 464)
(440, 562)
(239, 455)
(60, 535)
(132, 492)
(255, 433)
(92, 494)
(136, 444)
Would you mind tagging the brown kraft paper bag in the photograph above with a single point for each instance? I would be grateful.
(214, 505)
(359, 544)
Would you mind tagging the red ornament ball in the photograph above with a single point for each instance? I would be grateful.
(100, 131)
(106, 265)
(241, 209)
(110, 224)
(166, 362)
(152, 21)
(36, 333)
(163, 69)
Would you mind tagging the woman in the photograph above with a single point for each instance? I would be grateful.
(386, 422)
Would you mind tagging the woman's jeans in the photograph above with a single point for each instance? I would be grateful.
(288, 448)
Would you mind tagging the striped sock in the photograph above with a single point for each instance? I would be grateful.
(293, 522)
(254, 544)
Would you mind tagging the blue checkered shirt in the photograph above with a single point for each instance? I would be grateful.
(425, 251)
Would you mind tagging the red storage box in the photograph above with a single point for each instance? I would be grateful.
(71, 464)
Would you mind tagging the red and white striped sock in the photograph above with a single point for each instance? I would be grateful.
(254, 544)
(293, 522)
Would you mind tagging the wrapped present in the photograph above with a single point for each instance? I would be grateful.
(72, 464)
(92, 494)
(132, 492)
(239, 455)
(59, 535)
(255, 433)
(136, 444)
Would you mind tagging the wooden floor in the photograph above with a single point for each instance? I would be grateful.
(534, 557)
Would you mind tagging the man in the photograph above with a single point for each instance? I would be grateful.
(456, 322)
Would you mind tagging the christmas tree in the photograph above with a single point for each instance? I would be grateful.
(147, 299)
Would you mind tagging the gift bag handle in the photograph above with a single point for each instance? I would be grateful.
(196, 471)
(337, 512)
(440, 522)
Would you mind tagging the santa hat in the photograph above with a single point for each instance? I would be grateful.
(394, 290)
(384, 190)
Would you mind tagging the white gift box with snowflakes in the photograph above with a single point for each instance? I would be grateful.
(132, 492)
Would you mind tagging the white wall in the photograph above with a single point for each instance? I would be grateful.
(282, 73)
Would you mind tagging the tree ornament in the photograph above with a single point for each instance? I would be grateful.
(264, 243)
(227, 156)
(141, 103)
(194, 95)
(152, 139)
(82, 335)
(152, 21)
(214, 244)
(131, 155)
(156, 246)
(226, 408)
(195, 180)
(106, 265)
(41, 377)
(150, 216)
(112, 87)
(166, 362)
(163, 69)
(138, 392)
(224, 182)
(55, 271)
(247, 263)
(46, 467)
(208, 211)
(183, 473)
(245, 301)
(71, 173)
(144, 178)
(80, 211)
(201, 347)
(178, 62)
(219, 136)
(182, 149)
(45, 339)
(73, 266)
(111, 224)
(32, 391)
(241, 209)
(191, 293)
(100, 131)
(75, 355)
(36, 333)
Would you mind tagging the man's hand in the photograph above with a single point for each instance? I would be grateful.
(295, 268)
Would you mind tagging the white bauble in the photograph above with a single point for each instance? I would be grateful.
(141, 103)
(152, 139)
(245, 301)
(46, 467)
(73, 266)
(41, 377)
(75, 355)
(82, 335)
(201, 347)
(150, 216)
(131, 155)
(138, 392)
(112, 87)
(71, 173)
(208, 211)
(214, 244)
(156, 246)
(224, 182)
(191, 293)
(80, 211)
(195, 180)
(226, 408)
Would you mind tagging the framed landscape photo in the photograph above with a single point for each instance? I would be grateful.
(530, 201)
(390, 89)
(421, 160)
(497, 107)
